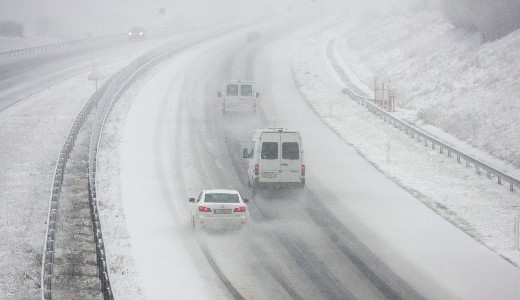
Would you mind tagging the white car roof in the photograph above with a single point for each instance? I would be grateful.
(221, 191)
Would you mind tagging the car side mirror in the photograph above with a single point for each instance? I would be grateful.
(245, 153)
(257, 94)
(246, 200)
(219, 94)
(192, 199)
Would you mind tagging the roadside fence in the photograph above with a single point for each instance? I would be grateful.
(53, 47)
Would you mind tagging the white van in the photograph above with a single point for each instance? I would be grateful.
(276, 158)
(238, 96)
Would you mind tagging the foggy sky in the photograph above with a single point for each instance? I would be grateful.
(72, 19)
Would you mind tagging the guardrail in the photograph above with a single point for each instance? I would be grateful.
(417, 133)
(49, 245)
(52, 47)
(118, 85)
(101, 101)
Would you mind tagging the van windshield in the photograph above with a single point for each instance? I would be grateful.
(232, 90)
(269, 150)
(246, 90)
(290, 150)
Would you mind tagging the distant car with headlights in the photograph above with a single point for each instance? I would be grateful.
(238, 96)
(219, 209)
(136, 33)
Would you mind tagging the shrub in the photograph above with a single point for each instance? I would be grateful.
(11, 29)
(492, 18)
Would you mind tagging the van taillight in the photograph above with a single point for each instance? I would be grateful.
(254, 102)
(223, 101)
(257, 168)
(303, 170)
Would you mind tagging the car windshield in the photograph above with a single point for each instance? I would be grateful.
(221, 198)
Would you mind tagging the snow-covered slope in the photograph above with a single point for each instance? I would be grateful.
(447, 76)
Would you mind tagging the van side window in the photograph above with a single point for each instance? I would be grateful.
(269, 150)
(232, 90)
(290, 150)
(246, 90)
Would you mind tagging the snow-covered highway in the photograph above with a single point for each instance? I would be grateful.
(175, 142)
(368, 224)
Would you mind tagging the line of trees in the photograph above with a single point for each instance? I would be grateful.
(493, 18)
(11, 29)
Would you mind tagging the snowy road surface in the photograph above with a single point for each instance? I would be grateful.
(353, 233)
(32, 134)
(23, 76)
(175, 143)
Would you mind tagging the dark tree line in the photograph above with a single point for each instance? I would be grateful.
(11, 29)
(492, 18)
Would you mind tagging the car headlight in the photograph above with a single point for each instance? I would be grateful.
(129, 33)
(140, 33)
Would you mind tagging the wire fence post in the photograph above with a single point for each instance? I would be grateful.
(517, 231)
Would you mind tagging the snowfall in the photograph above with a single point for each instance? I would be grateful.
(440, 217)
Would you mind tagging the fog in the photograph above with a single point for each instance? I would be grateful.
(382, 214)
(80, 19)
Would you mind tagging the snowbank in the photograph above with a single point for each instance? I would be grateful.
(446, 76)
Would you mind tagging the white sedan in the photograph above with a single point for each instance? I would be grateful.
(219, 209)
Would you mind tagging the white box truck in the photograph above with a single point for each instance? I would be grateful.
(239, 96)
(275, 159)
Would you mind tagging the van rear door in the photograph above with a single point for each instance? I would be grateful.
(246, 96)
(290, 160)
(269, 161)
(232, 95)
